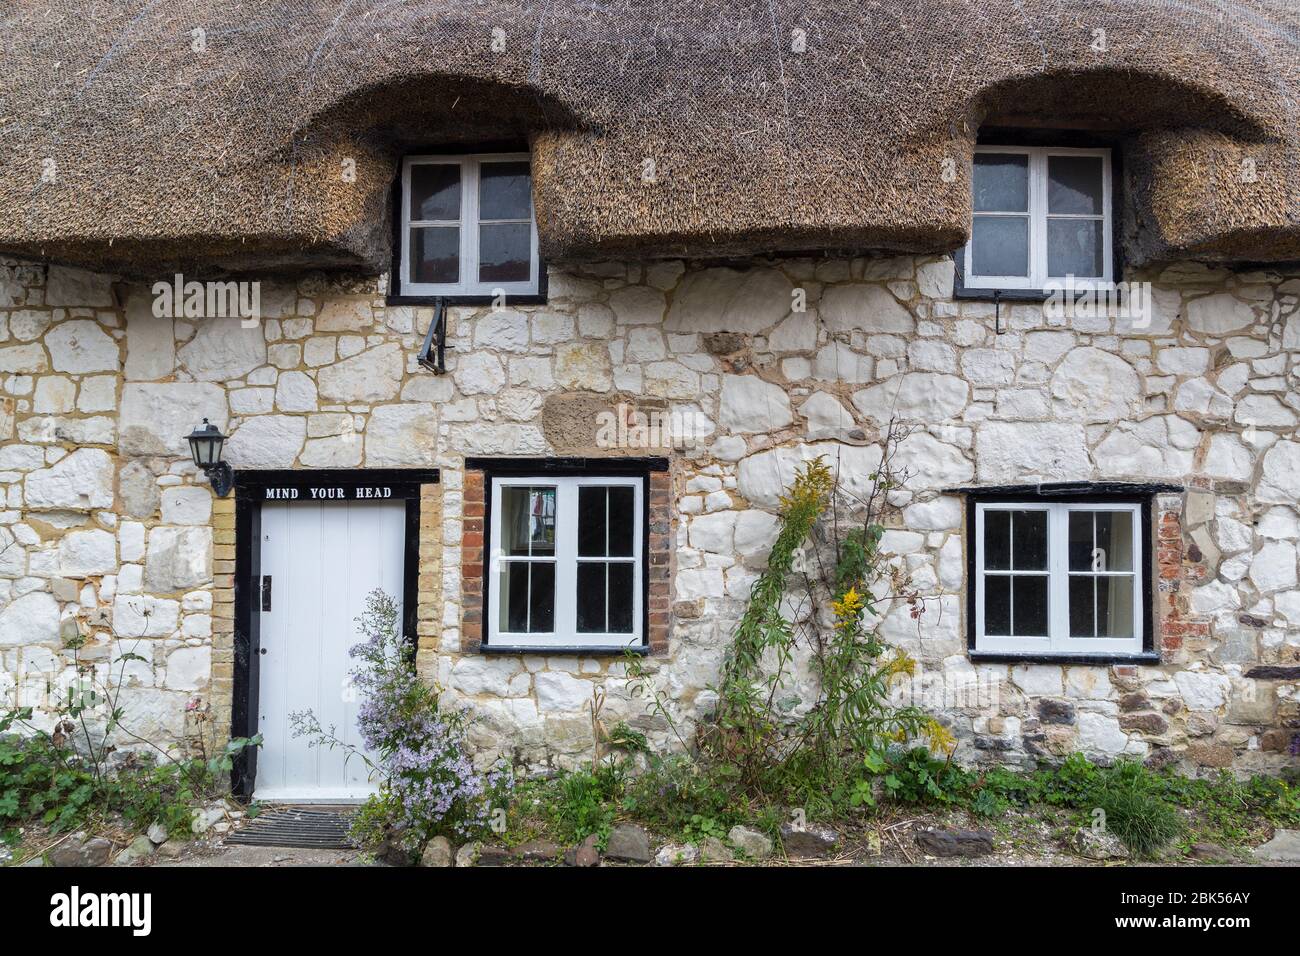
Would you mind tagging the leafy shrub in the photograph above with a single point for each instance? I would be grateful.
(584, 802)
(429, 785)
(1135, 811)
(62, 778)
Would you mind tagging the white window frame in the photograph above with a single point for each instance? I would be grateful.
(1058, 641)
(566, 561)
(1037, 213)
(468, 222)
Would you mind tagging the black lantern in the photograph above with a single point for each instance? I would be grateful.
(206, 444)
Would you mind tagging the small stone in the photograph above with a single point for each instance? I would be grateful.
(1284, 847)
(628, 842)
(493, 856)
(1098, 845)
(437, 853)
(468, 854)
(79, 851)
(1211, 853)
(677, 854)
(955, 842)
(157, 833)
(807, 840)
(753, 843)
(713, 850)
(585, 853)
(171, 850)
(537, 851)
(138, 849)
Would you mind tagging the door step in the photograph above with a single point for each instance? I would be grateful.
(305, 827)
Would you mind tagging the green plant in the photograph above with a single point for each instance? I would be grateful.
(1135, 811)
(811, 757)
(584, 802)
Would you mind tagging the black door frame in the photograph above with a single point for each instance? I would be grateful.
(252, 490)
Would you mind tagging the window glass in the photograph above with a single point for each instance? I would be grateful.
(1074, 247)
(435, 191)
(1074, 185)
(1000, 246)
(528, 597)
(528, 521)
(1001, 182)
(435, 254)
(1029, 605)
(505, 252)
(505, 191)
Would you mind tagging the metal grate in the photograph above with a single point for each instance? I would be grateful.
(308, 827)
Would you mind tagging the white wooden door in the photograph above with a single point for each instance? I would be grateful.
(322, 559)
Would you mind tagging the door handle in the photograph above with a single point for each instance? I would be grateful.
(266, 592)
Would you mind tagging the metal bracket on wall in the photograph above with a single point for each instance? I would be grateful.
(997, 312)
(433, 354)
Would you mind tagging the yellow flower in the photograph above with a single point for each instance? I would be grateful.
(848, 607)
(940, 737)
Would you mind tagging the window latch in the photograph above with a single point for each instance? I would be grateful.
(266, 592)
(433, 353)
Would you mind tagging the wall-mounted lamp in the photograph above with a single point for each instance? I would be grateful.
(206, 443)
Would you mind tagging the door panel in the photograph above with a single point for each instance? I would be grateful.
(323, 558)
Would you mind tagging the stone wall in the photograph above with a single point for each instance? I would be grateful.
(109, 530)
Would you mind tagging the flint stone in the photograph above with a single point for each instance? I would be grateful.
(808, 840)
(628, 842)
(955, 842)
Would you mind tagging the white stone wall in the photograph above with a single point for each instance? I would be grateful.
(106, 519)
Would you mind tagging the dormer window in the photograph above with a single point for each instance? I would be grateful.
(1041, 215)
(467, 227)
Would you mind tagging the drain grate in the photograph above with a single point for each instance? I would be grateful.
(307, 827)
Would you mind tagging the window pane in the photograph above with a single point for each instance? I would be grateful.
(504, 191)
(1115, 606)
(1000, 246)
(504, 252)
(997, 540)
(1029, 541)
(435, 191)
(514, 597)
(542, 604)
(621, 576)
(1115, 539)
(1074, 247)
(1074, 185)
(527, 521)
(591, 597)
(622, 521)
(1029, 606)
(997, 605)
(1081, 541)
(1001, 183)
(1081, 605)
(591, 522)
(435, 254)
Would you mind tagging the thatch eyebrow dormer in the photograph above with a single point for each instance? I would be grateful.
(258, 135)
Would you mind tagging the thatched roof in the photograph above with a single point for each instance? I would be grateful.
(125, 147)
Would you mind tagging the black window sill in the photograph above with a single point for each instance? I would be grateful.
(1001, 295)
(1085, 660)
(570, 650)
(429, 300)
